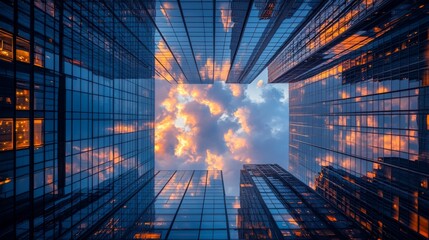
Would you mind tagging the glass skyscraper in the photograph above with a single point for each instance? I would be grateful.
(276, 205)
(226, 40)
(376, 202)
(77, 113)
(359, 111)
(182, 205)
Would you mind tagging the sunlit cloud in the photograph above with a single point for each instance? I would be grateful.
(184, 145)
(234, 142)
(165, 63)
(235, 89)
(163, 127)
(242, 114)
(214, 107)
(210, 127)
(214, 162)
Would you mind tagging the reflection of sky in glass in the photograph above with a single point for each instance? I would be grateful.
(202, 42)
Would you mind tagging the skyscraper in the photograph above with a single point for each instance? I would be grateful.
(359, 111)
(77, 113)
(232, 40)
(276, 205)
(182, 205)
(374, 200)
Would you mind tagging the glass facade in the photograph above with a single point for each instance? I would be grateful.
(359, 112)
(276, 205)
(182, 205)
(76, 114)
(224, 40)
(383, 206)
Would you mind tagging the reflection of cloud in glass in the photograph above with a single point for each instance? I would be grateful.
(164, 64)
(214, 70)
(225, 15)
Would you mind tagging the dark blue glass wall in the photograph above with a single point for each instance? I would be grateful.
(77, 112)
(359, 112)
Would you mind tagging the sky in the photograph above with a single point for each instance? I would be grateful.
(221, 126)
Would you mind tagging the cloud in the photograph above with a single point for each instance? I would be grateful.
(242, 114)
(214, 162)
(235, 89)
(226, 19)
(233, 141)
(217, 127)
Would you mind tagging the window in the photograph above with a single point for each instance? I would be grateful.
(22, 99)
(6, 46)
(6, 131)
(22, 131)
(22, 50)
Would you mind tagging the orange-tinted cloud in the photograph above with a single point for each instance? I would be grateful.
(238, 146)
(236, 89)
(234, 142)
(208, 127)
(163, 126)
(242, 114)
(212, 70)
(181, 124)
(165, 63)
(214, 107)
(214, 162)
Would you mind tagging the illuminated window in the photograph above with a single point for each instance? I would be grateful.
(6, 46)
(22, 50)
(38, 132)
(22, 99)
(395, 207)
(246, 185)
(5, 100)
(22, 132)
(424, 183)
(4, 180)
(6, 137)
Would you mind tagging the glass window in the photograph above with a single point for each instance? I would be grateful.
(6, 46)
(22, 133)
(6, 137)
(22, 50)
(22, 99)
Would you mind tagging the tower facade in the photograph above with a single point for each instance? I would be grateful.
(77, 112)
